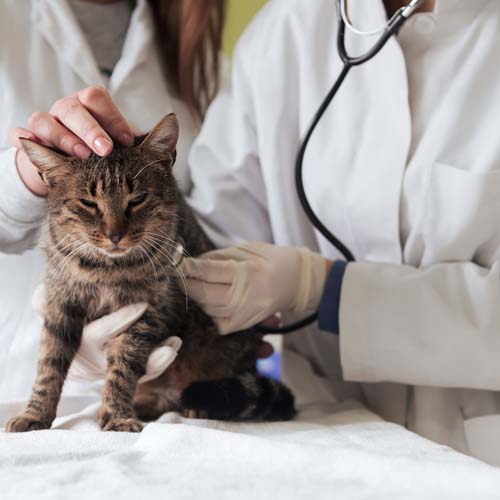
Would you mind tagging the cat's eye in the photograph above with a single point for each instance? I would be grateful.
(137, 200)
(88, 203)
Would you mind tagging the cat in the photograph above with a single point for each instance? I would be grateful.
(112, 228)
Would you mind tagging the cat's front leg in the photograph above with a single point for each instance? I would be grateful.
(127, 355)
(61, 337)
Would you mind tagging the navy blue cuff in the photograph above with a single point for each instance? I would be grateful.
(328, 317)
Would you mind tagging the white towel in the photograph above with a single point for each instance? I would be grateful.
(344, 452)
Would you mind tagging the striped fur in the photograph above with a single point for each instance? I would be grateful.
(131, 196)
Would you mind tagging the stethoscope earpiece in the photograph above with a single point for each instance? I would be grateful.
(403, 11)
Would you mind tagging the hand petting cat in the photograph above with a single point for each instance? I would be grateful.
(88, 121)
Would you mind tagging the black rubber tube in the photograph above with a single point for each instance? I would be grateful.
(349, 62)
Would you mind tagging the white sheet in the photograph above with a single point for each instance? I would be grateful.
(343, 453)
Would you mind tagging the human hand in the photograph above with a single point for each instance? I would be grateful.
(90, 361)
(77, 125)
(241, 286)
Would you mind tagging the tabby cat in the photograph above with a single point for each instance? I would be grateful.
(112, 228)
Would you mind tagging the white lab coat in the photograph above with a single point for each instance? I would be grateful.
(43, 57)
(419, 328)
(419, 335)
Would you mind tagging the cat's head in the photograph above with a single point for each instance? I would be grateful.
(114, 206)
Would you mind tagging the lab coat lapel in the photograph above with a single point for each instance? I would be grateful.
(378, 152)
(57, 24)
(377, 163)
(138, 45)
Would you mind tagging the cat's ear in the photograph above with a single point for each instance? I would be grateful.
(162, 140)
(49, 163)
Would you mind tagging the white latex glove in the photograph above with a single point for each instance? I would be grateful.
(241, 286)
(90, 361)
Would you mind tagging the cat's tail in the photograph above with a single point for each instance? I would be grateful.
(247, 397)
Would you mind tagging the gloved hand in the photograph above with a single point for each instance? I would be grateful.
(90, 361)
(241, 286)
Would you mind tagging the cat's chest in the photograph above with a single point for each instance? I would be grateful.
(103, 291)
(107, 300)
(104, 299)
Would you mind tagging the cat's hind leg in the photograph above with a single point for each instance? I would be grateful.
(152, 400)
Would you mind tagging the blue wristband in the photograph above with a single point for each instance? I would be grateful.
(328, 317)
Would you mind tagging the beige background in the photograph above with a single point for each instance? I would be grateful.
(239, 14)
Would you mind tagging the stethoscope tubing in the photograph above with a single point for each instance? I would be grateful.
(393, 26)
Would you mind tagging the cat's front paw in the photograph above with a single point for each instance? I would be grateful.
(119, 424)
(25, 423)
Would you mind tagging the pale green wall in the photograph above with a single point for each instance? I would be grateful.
(239, 13)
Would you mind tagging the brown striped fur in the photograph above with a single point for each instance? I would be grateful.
(110, 238)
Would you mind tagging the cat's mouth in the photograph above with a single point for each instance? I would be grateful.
(115, 251)
(125, 246)
(118, 251)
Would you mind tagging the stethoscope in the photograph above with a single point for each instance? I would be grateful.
(385, 32)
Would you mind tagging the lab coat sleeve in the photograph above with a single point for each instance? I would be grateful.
(228, 194)
(21, 212)
(435, 327)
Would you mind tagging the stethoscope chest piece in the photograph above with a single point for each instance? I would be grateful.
(178, 254)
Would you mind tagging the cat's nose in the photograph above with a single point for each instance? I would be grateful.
(114, 229)
(115, 238)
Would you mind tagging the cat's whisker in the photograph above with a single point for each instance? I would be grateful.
(62, 250)
(158, 241)
(145, 167)
(61, 245)
(176, 269)
(151, 258)
(185, 252)
(173, 264)
(144, 252)
(59, 242)
(61, 267)
(157, 247)
(184, 284)
(71, 249)
(97, 165)
(77, 250)
(65, 262)
(164, 239)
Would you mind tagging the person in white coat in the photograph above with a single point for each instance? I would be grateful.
(403, 169)
(151, 58)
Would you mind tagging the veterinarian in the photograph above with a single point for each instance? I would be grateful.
(404, 169)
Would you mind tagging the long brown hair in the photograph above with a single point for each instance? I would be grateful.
(189, 34)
